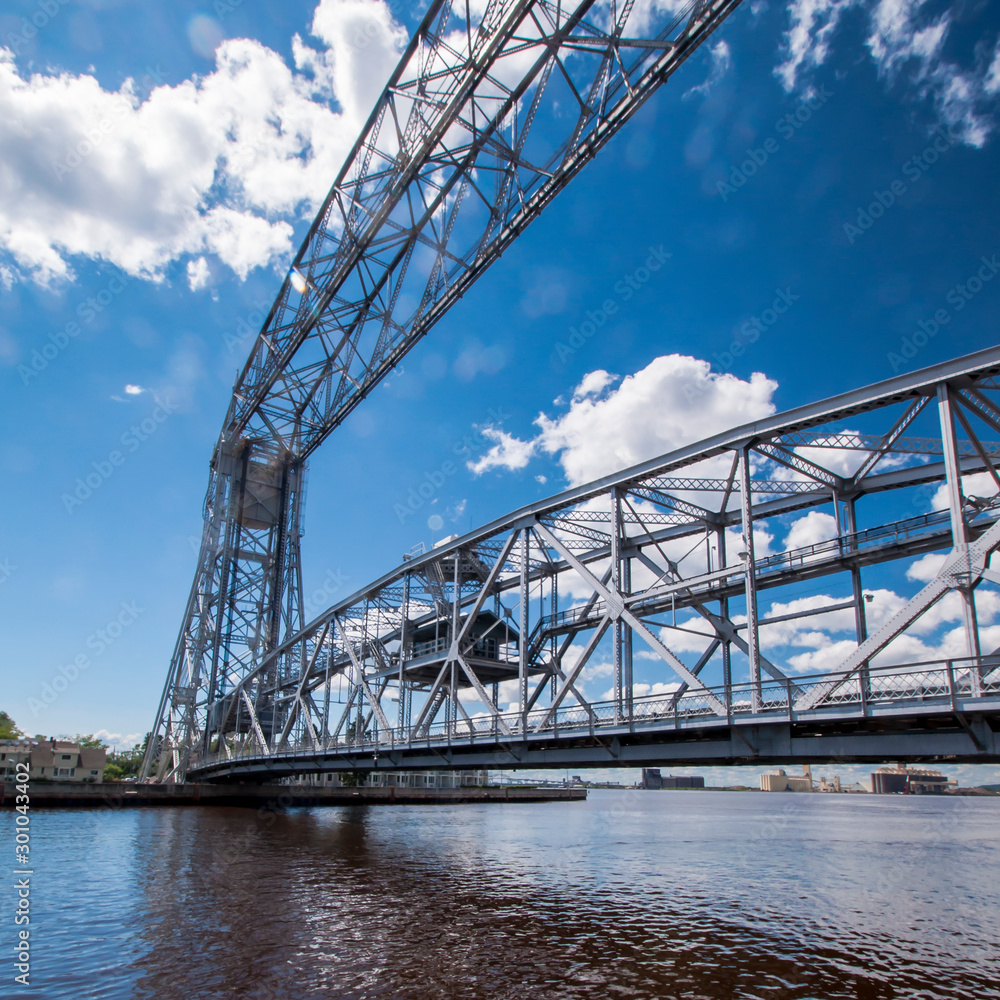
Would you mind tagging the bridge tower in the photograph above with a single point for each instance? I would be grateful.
(462, 151)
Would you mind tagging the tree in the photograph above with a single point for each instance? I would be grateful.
(90, 742)
(353, 779)
(358, 732)
(8, 728)
(112, 772)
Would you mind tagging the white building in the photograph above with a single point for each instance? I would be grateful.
(53, 760)
(778, 781)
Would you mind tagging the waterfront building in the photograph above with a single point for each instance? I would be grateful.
(651, 778)
(404, 779)
(903, 780)
(779, 781)
(12, 753)
(64, 760)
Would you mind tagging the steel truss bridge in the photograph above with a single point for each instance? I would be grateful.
(662, 563)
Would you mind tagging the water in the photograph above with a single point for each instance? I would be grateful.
(631, 894)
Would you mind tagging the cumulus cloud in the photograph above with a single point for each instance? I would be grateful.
(905, 38)
(828, 453)
(827, 638)
(813, 528)
(926, 567)
(671, 402)
(979, 484)
(214, 166)
(507, 452)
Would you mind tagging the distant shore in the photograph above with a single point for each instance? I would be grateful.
(117, 795)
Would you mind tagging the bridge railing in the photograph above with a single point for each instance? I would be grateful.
(936, 682)
(881, 536)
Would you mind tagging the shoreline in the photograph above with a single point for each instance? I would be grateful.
(116, 795)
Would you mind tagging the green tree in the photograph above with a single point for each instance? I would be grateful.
(353, 779)
(8, 728)
(112, 772)
(91, 742)
(356, 731)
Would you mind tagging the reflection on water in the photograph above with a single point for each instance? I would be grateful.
(631, 894)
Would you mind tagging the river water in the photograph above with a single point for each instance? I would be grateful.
(632, 894)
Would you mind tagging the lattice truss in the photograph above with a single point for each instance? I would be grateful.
(481, 125)
(664, 562)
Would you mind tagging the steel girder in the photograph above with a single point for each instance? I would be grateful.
(552, 593)
(461, 152)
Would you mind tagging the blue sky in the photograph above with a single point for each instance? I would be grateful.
(135, 262)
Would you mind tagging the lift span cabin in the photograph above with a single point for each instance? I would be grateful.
(493, 654)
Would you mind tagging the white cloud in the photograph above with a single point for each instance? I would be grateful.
(671, 402)
(829, 453)
(807, 41)
(215, 165)
(992, 82)
(508, 452)
(905, 36)
(822, 635)
(197, 274)
(813, 528)
(640, 690)
(680, 640)
(134, 390)
(720, 61)
(979, 484)
(926, 567)
(123, 741)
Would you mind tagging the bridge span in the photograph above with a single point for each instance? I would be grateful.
(666, 581)
(707, 587)
(917, 713)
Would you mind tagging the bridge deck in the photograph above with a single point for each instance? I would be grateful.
(921, 712)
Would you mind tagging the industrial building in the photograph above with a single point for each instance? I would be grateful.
(651, 778)
(779, 781)
(903, 780)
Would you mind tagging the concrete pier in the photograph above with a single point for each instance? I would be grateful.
(116, 795)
